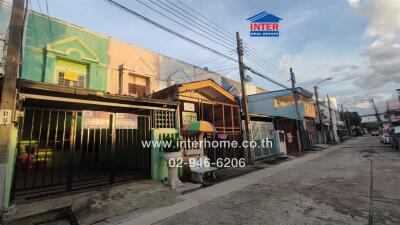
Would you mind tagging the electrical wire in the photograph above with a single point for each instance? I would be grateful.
(140, 16)
(189, 20)
(146, 19)
(48, 20)
(183, 25)
(226, 32)
(193, 23)
(266, 65)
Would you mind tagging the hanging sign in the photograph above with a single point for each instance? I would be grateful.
(95, 120)
(188, 106)
(126, 121)
(5, 116)
(188, 117)
(72, 76)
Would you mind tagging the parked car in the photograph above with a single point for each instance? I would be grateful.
(394, 136)
(375, 132)
(384, 136)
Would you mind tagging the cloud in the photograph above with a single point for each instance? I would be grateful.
(344, 68)
(287, 61)
(383, 53)
(353, 3)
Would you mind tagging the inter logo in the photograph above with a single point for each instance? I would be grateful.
(264, 24)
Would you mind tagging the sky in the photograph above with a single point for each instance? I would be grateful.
(356, 42)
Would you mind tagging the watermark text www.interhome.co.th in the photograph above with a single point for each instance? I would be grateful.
(188, 144)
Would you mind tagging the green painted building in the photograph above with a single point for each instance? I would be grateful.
(60, 53)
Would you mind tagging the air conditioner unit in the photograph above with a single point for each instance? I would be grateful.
(280, 140)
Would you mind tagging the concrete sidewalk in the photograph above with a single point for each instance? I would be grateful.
(93, 206)
(205, 195)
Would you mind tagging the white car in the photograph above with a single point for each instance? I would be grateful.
(384, 136)
(375, 132)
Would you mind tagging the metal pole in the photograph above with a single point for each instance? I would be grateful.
(249, 155)
(330, 117)
(378, 118)
(299, 119)
(319, 113)
(343, 118)
(8, 98)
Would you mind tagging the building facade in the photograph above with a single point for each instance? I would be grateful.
(59, 53)
(280, 105)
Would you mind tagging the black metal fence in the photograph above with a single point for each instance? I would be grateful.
(223, 151)
(56, 154)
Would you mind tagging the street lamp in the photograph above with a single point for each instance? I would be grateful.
(329, 78)
(317, 103)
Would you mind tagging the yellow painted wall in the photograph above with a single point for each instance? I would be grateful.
(133, 60)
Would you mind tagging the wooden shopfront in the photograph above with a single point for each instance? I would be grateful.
(207, 101)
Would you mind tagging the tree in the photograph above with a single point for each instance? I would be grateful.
(370, 125)
(354, 118)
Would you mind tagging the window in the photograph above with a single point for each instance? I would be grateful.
(283, 101)
(136, 89)
(78, 82)
(137, 85)
(71, 74)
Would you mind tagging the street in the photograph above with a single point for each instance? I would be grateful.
(331, 189)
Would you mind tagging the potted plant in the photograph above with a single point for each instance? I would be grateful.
(171, 153)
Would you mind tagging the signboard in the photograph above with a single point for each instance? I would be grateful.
(126, 121)
(188, 106)
(95, 120)
(188, 117)
(72, 76)
(5, 116)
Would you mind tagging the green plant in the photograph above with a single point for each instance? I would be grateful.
(171, 143)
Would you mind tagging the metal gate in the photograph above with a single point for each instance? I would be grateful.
(56, 154)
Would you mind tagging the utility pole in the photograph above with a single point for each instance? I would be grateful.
(299, 119)
(319, 113)
(249, 153)
(378, 118)
(343, 118)
(330, 116)
(8, 128)
(348, 122)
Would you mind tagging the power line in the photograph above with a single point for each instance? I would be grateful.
(183, 25)
(189, 20)
(196, 24)
(266, 77)
(263, 64)
(48, 20)
(226, 33)
(230, 68)
(130, 11)
(276, 70)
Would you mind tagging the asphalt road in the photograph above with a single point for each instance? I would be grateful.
(332, 189)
